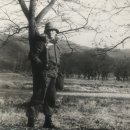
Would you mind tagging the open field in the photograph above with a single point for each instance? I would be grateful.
(72, 112)
(17, 81)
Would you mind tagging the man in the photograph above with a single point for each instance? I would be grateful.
(45, 64)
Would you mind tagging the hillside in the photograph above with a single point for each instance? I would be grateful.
(15, 53)
(66, 47)
(118, 53)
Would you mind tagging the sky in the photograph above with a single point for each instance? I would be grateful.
(104, 29)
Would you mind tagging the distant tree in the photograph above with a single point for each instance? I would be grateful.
(88, 64)
(122, 69)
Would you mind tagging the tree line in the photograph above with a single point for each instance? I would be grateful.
(87, 64)
(90, 65)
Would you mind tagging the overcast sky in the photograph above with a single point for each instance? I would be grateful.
(111, 28)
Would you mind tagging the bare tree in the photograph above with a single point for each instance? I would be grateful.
(36, 18)
(37, 13)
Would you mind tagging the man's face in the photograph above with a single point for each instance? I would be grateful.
(52, 34)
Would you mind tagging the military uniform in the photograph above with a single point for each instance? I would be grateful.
(45, 61)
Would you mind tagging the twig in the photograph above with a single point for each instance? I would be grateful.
(83, 26)
(10, 35)
(72, 49)
(7, 4)
(111, 48)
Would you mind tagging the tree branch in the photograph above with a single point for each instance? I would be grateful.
(123, 7)
(17, 31)
(84, 26)
(72, 49)
(24, 8)
(44, 11)
(9, 19)
(7, 4)
(118, 43)
(105, 50)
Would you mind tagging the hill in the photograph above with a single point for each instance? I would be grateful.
(14, 55)
(67, 47)
(119, 53)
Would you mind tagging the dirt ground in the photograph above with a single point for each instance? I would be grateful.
(71, 112)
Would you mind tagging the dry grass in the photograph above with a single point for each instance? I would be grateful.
(17, 81)
(10, 114)
(71, 112)
(96, 113)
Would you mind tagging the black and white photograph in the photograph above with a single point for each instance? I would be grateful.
(64, 64)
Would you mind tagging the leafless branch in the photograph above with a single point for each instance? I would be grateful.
(122, 7)
(72, 49)
(115, 13)
(16, 27)
(118, 43)
(9, 19)
(7, 4)
(83, 26)
(44, 11)
(24, 8)
(105, 50)
(73, 1)
(68, 21)
(84, 6)
(17, 31)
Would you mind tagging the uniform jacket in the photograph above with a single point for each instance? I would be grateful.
(45, 56)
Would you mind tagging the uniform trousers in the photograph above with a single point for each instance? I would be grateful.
(44, 94)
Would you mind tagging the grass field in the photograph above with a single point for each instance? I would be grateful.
(71, 112)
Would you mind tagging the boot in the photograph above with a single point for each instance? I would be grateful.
(30, 122)
(48, 122)
(30, 113)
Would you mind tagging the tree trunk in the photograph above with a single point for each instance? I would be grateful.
(33, 20)
(32, 24)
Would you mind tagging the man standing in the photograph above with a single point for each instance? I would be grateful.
(45, 64)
